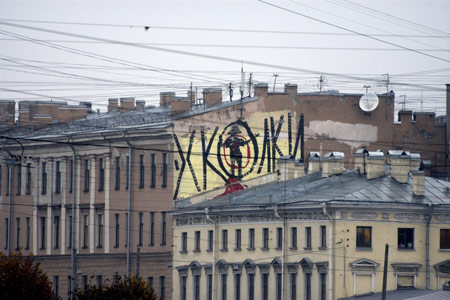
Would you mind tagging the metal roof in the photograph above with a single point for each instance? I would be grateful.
(406, 294)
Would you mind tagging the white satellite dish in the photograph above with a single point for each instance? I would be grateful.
(369, 102)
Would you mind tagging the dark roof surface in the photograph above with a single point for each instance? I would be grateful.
(408, 294)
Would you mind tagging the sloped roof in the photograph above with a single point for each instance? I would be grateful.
(408, 294)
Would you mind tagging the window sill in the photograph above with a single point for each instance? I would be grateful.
(85, 191)
(209, 250)
(27, 248)
(250, 249)
(99, 246)
(278, 248)
(39, 248)
(151, 245)
(141, 187)
(152, 186)
(116, 246)
(197, 251)
(100, 190)
(293, 248)
(307, 248)
(223, 250)
(322, 248)
(406, 249)
(265, 249)
(444, 250)
(237, 249)
(183, 252)
(363, 248)
(84, 247)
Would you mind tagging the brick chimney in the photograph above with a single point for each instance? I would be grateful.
(7, 111)
(415, 161)
(113, 104)
(191, 95)
(127, 104)
(418, 182)
(212, 96)
(332, 164)
(165, 98)
(140, 104)
(180, 106)
(290, 168)
(290, 89)
(375, 164)
(260, 89)
(400, 165)
(313, 162)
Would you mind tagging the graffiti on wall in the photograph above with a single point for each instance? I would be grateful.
(242, 149)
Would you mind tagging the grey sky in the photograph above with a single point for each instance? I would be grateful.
(43, 72)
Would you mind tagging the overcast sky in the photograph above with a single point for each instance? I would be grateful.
(140, 48)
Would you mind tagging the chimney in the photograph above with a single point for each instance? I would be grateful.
(165, 98)
(375, 164)
(113, 104)
(361, 160)
(260, 89)
(418, 182)
(313, 162)
(180, 106)
(400, 165)
(191, 95)
(415, 161)
(7, 112)
(87, 104)
(140, 104)
(212, 96)
(290, 168)
(333, 163)
(405, 115)
(290, 89)
(127, 104)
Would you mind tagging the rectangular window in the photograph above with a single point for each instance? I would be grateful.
(164, 170)
(308, 241)
(99, 281)
(183, 292)
(141, 171)
(406, 238)
(278, 286)
(445, 239)
(293, 289)
(56, 229)
(210, 240)
(19, 179)
(150, 282)
(363, 237)
(43, 240)
(237, 238)
(85, 281)
(294, 237)
(127, 180)
(6, 233)
(237, 286)
(58, 178)
(183, 242)
(28, 182)
(152, 228)
(224, 240)
(71, 176)
(209, 279)
(224, 286)
(323, 286)
(86, 175)
(70, 232)
(265, 238)
(85, 230)
(99, 230)
(196, 287)
(163, 228)
(17, 233)
(307, 286)
(251, 239)
(69, 285)
(265, 286)
(117, 174)
(116, 279)
(251, 286)
(101, 175)
(162, 287)
(27, 244)
(279, 237)
(7, 181)
(56, 286)
(197, 241)
(323, 236)
(117, 232)
(153, 171)
(44, 179)
(141, 229)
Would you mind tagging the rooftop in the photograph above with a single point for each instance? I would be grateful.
(407, 294)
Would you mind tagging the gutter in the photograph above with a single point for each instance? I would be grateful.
(208, 217)
(130, 160)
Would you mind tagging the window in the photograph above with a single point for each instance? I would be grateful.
(43, 233)
(307, 286)
(56, 228)
(265, 286)
(278, 286)
(141, 229)
(99, 281)
(183, 242)
(279, 237)
(223, 278)
(162, 287)
(117, 174)
(406, 238)
(323, 236)
(116, 279)
(44, 179)
(70, 232)
(117, 233)
(224, 240)
(363, 237)
(7, 180)
(86, 175)
(197, 241)
(209, 279)
(265, 239)
(150, 282)
(196, 287)
(251, 286)
(56, 286)
(153, 171)
(85, 230)
(210, 240)
(164, 170)
(58, 178)
(251, 239)
(6, 233)
(237, 237)
(101, 175)
(17, 233)
(19, 179)
(152, 228)
(85, 283)
(28, 182)
(445, 239)
(127, 182)
(237, 286)
(69, 285)
(27, 221)
(294, 237)
(323, 286)
(183, 280)
(293, 288)
(163, 228)
(308, 237)
(72, 178)
(141, 171)
(99, 230)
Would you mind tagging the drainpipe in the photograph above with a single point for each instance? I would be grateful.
(427, 245)
(283, 247)
(331, 250)
(73, 256)
(130, 160)
(11, 162)
(208, 217)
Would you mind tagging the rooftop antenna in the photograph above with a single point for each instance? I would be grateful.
(242, 82)
(230, 91)
(367, 87)
(250, 85)
(322, 81)
(274, 81)
(404, 101)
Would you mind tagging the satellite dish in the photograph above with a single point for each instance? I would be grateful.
(368, 102)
